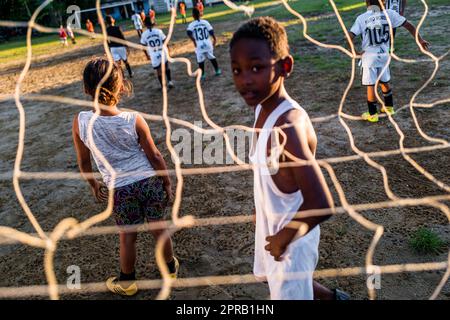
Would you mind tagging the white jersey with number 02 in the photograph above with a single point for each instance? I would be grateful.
(154, 40)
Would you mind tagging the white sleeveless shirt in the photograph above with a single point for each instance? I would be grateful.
(274, 210)
(116, 138)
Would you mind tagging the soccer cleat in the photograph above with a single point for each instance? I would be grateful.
(113, 284)
(218, 72)
(388, 110)
(370, 117)
(203, 77)
(177, 268)
(170, 84)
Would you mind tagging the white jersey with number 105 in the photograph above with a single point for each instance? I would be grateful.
(373, 26)
(200, 31)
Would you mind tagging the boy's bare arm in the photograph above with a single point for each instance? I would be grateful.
(412, 30)
(310, 181)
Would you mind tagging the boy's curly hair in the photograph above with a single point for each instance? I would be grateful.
(114, 86)
(267, 29)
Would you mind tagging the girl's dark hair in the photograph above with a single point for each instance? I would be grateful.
(114, 86)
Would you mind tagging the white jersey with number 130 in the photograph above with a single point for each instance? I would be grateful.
(200, 31)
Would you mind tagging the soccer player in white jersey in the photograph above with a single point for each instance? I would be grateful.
(154, 38)
(119, 51)
(200, 32)
(396, 5)
(373, 27)
(136, 17)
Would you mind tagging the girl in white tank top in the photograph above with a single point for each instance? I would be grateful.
(126, 156)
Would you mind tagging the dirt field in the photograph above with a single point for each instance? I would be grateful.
(228, 249)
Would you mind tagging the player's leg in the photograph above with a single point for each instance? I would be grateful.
(126, 212)
(169, 258)
(122, 53)
(127, 254)
(155, 208)
(159, 74)
(369, 78)
(201, 63)
(387, 93)
(168, 76)
(127, 65)
(212, 58)
(216, 66)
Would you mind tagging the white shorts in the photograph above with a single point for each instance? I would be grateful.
(292, 278)
(201, 56)
(156, 58)
(370, 75)
(119, 53)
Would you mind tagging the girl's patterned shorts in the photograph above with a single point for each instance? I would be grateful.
(139, 202)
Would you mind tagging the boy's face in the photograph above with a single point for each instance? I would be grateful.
(257, 74)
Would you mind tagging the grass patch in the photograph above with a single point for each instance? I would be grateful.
(16, 50)
(426, 241)
(322, 62)
(322, 29)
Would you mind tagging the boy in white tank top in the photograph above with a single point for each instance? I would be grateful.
(285, 255)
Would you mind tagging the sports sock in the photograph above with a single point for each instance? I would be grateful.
(202, 67)
(127, 276)
(388, 98)
(128, 68)
(215, 64)
(169, 78)
(171, 266)
(372, 107)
